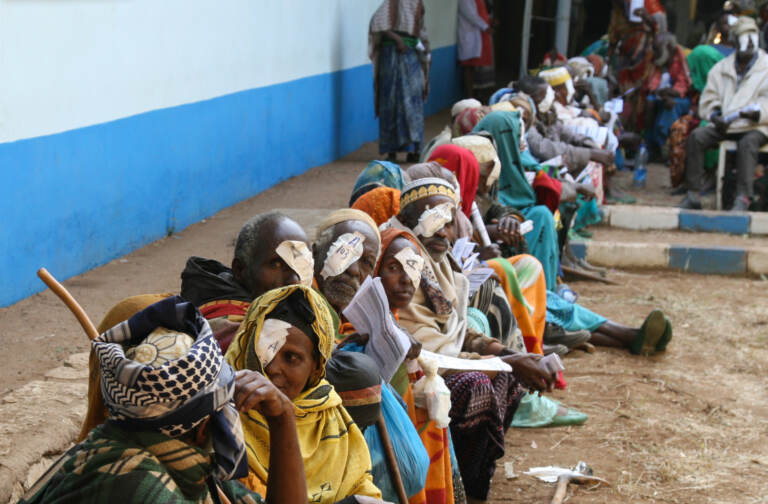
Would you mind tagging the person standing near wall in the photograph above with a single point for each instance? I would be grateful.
(475, 44)
(399, 49)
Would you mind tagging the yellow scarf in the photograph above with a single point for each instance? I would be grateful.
(336, 459)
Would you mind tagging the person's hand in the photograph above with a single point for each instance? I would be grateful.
(505, 230)
(587, 191)
(489, 252)
(399, 43)
(601, 156)
(253, 391)
(360, 339)
(530, 372)
(720, 125)
(415, 350)
(752, 115)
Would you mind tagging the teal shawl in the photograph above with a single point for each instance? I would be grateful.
(514, 189)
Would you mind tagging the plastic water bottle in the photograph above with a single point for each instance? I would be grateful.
(641, 166)
(566, 293)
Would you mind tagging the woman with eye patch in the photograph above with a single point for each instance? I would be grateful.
(287, 336)
(442, 481)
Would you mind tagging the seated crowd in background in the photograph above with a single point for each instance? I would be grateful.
(254, 384)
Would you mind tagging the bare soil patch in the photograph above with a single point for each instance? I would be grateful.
(686, 426)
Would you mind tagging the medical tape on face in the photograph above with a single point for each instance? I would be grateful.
(342, 254)
(412, 263)
(549, 99)
(744, 39)
(433, 220)
(274, 332)
(571, 90)
(297, 256)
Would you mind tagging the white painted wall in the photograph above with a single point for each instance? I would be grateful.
(75, 63)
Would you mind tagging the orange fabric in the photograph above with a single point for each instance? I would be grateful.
(531, 324)
(439, 486)
(380, 203)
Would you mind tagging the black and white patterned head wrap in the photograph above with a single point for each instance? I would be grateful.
(177, 396)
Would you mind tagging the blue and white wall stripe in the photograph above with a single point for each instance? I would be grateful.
(123, 121)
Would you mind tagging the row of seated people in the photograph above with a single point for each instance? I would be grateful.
(251, 384)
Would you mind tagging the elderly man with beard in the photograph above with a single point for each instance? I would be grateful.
(735, 102)
(271, 251)
(667, 89)
(482, 407)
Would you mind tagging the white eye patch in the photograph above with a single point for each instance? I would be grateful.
(433, 220)
(297, 256)
(342, 254)
(274, 332)
(549, 99)
(571, 90)
(744, 39)
(412, 263)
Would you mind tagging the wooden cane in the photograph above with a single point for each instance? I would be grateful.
(389, 454)
(68, 300)
(587, 276)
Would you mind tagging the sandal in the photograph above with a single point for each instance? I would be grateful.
(661, 346)
(650, 334)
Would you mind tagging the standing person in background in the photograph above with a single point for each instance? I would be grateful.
(475, 45)
(399, 49)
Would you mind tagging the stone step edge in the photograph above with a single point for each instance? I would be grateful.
(642, 218)
(693, 259)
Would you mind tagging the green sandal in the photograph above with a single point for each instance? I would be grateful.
(651, 332)
(661, 346)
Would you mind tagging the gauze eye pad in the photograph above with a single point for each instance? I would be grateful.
(412, 264)
(274, 332)
(342, 254)
(434, 219)
(297, 256)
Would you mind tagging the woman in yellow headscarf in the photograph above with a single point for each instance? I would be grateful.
(287, 335)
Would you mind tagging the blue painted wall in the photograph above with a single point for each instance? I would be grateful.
(78, 199)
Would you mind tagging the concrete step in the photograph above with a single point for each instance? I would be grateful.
(706, 253)
(668, 218)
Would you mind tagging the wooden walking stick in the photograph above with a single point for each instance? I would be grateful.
(95, 412)
(68, 300)
(389, 454)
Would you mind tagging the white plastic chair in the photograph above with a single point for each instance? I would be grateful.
(725, 147)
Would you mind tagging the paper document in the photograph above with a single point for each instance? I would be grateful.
(555, 161)
(455, 363)
(464, 253)
(477, 277)
(369, 312)
(752, 107)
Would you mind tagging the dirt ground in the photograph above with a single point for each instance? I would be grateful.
(689, 426)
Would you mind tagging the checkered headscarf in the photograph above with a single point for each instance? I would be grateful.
(177, 396)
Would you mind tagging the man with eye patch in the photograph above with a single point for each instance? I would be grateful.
(271, 251)
(345, 253)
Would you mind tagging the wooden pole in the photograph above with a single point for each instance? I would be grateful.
(389, 454)
(587, 275)
(68, 300)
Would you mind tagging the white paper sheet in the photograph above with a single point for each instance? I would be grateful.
(457, 364)
(369, 312)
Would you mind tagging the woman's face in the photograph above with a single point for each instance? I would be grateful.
(294, 364)
(397, 284)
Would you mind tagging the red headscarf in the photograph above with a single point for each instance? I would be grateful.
(464, 165)
(380, 203)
